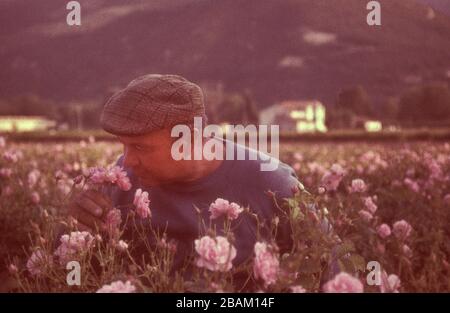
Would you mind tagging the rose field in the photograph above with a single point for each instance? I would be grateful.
(358, 202)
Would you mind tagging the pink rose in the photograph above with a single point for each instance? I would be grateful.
(115, 175)
(332, 178)
(370, 205)
(366, 216)
(97, 176)
(297, 289)
(113, 220)
(38, 261)
(223, 207)
(118, 287)
(411, 184)
(266, 265)
(298, 156)
(72, 245)
(389, 283)
(215, 254)
(119, 177)
(447, 198)
(122, 246)
(343, 283)
(12, 269)
(358, 185)
(141, 202)
(384, 231)
(35, 198)
(12, 156)
(7, 191)
(407, 251)
(33, 178)
(402, 229)
(6, 172)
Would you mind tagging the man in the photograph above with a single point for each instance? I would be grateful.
(142, 116)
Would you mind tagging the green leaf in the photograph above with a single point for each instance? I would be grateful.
(345, 265)
(306, 281)
(295, 212)
(309, 266)
(358, 262)
(344, 248)
(292, 202)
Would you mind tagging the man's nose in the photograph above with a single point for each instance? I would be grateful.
(130, 159)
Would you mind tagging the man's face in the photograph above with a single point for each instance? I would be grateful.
(149, 156)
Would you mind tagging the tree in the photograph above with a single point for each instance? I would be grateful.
(354, 100)
(425, 104)
(251, 115)
(390, 109)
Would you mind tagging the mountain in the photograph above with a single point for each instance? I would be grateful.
(439, 5)
(279, 49)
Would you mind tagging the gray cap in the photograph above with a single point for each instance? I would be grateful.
(152, 102)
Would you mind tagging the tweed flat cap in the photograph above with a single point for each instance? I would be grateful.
(152, 102)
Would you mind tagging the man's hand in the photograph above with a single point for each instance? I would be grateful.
(89, 209)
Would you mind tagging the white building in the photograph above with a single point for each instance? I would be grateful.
(18, 123)
(296, 116)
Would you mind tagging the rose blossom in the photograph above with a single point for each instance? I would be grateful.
(118, 287)
(35, 198)
(343, 283)
(402, 229)
(12, 156)
(33, 178)
(447, 198)
(411, 184)
(266, 264)
(6, 172)
(113, 220)
(358, 185)
(141, 202)
(370, 205)
(384, 231)
(223, 207)
(119, 177)
(297, 289)
(332, 178)
(389, 283)
(216, 254)
(71, 245)
(12, 269)
(115, 175)
(122, 246)
(366, 216)
(38, 261)
(407, 251)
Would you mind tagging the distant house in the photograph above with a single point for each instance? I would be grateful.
(295, 116)
(18, 123)
(373, 126)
